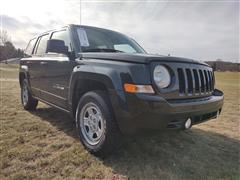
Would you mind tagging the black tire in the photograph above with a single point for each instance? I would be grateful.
(111, 137)
(30, 103)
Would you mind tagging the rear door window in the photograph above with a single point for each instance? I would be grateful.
(42, 45)
(64, 36)
(30, 46)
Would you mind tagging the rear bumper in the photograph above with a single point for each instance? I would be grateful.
(153, 112)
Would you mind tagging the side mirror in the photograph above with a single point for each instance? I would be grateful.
(57, 46)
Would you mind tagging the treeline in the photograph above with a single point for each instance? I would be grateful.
(220, 65)
(7, 49)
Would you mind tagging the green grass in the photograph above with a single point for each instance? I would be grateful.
(44, 144)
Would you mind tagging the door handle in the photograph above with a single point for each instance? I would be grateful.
(43, 62)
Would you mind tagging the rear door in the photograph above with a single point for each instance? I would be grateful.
(27, 63)
(36, 65)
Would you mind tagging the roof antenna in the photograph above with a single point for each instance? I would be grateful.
(80, 11)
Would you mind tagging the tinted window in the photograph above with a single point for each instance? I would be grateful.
(30, 47)
(62, 35)
(42, 45)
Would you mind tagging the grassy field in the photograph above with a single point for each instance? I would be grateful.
(44, 144)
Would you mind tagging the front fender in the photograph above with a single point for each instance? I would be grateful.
(107, 76)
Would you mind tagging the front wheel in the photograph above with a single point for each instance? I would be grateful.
(95, 123)
(28, 102)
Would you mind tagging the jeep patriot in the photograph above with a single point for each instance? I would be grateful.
(111, 86)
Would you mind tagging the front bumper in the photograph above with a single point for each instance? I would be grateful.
(144, 111)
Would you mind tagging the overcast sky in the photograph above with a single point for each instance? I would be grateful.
(202, 30)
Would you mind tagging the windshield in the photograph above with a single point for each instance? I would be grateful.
(102, 40)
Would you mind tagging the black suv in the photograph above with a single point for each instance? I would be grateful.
(112, 86)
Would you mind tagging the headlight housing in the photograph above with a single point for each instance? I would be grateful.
(161, 76)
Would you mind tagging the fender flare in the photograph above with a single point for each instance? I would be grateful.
(110, 78)
(23, 69)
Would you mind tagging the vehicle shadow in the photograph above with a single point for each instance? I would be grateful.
(192, 154)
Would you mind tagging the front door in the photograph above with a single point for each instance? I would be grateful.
(58, 69)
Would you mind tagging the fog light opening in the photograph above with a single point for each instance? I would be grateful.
(188, 123)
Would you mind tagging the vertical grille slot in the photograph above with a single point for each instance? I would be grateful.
(189, 81)
(213, 80)
(181, 78)
(197, 83)
(210, 80)
(206, 80)
(202, 80)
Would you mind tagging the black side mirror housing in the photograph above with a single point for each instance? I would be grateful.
(57, 46)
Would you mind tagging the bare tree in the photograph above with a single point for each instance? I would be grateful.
(7, 49)
(4, 37)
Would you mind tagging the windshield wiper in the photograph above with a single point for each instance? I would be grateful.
(102, 50)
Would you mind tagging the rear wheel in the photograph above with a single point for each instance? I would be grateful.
(28, 102)
(96, 125)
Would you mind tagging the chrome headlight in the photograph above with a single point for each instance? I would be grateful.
(161, 76)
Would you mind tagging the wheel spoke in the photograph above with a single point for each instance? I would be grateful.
(90, 112)
(99, 117)
(86, 124)
(90, 134)
(85, 121)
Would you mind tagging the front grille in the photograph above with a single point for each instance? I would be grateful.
(195, 81)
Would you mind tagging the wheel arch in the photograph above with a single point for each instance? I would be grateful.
(83, 82)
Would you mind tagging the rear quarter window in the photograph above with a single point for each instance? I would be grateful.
(30, 47)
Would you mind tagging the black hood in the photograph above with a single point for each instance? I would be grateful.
(137, 58)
